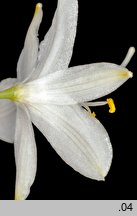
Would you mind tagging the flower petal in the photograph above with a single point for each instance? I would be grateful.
(7, 113)
(80, 140)
(25, 153)
(56, 48)
(28, 57)
(77, 84)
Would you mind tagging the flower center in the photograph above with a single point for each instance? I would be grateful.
(14, 93)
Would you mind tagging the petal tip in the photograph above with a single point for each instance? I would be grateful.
(37, 8)
(17, 196)
(101, 175)
(101, 178)
(39, 5)
(132, 50)
(130, 74)
(20, 196)
(127, 74)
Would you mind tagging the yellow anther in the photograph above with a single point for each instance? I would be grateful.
(111, 105)
(92, 114)
(37, 8)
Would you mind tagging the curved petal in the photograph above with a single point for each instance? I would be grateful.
(28, 57)
(25, 153)
(7, 113)
(77, 84)
(56, 48)
(80, 140)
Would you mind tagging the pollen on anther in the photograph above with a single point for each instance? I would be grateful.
(92, 114)
(111, 105)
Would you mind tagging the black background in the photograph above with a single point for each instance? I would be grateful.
(105, 32)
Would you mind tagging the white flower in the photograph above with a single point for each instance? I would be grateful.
(55, 98)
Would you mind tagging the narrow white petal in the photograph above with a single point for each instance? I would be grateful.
(56, 48)
(28, 57)
(77, 84)
(7, 113)
(81, 141)
(25, 153)
(128, 57)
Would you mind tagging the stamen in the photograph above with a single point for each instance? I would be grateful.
(37, 8)
(128, 57)
(93, 114)
(111, 105)
(109, 101)
(88, 110)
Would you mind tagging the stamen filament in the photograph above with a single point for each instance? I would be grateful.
(88, 110)
(98, 103)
